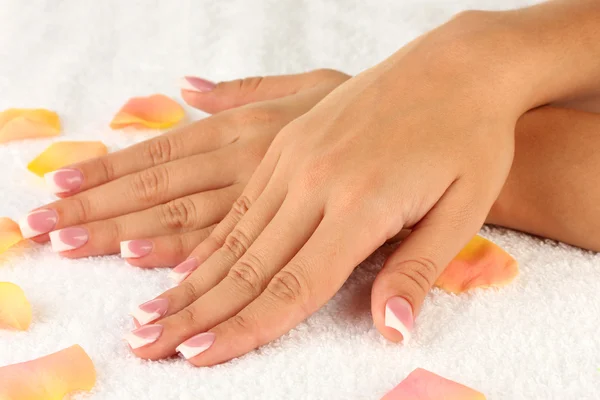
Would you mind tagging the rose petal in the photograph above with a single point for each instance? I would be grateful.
(48, 378)
(15, 310)
(424, 385)
(61, 154)
(10, 234)
(480, 263)
(17, 123)
(156, 112)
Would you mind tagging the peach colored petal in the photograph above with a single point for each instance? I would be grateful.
(480, 263)
(48, 378)
(61, 154)
(15, 310)
(22, 123)
(424, 385)
(155, 112)
(10, 234)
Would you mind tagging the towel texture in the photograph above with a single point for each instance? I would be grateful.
(539, 338)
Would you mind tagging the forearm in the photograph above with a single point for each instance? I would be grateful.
(552, 187)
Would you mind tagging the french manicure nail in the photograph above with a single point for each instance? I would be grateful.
(68, 239)
(150, 311)
(144, 336)
(64, 180)
(135, 248)
(196, 345)
(38, 222)
(399, 316)
(196, 84)
(183, 270)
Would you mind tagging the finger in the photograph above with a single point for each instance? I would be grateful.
(135, 192)
(308, 281)
(127, 232)
(243, 282)
(199, 137)
(409, 273)
(171, 250)
(213, 98)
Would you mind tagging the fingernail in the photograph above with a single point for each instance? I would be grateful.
(135, 248)
(38, 222)
(64, 180)
(68, 239)
(183, 270)
(150, 311)
(144, 336)
(399, 316)
(196, 84)
(196, 345)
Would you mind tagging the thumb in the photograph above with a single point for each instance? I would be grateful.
(411, 270)
(215, 97)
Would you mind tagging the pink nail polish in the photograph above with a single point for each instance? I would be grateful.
(38, 222)
(183, 270)
(196, 84)
(144, 336)
(68, 239)
(64, 180)
(399, 316)
(196, 345)
(136, 248)
(150, 311)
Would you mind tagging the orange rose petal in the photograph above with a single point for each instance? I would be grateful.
(10, 234)
(424, 385)
(156, 112)
(48, 378)
(15, 310)
(61, 154)
(16, 123)
(480, 263)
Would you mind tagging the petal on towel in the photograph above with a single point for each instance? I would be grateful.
(48, 378)
(15, 310)
(424, 385)
(61, 154)
(22, 123)
(155, 112)
(10, 234)
(480, 263)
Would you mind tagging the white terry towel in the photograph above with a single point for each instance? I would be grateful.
(539, 338)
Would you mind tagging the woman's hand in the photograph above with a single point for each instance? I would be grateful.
(166, 194)
(416, 142)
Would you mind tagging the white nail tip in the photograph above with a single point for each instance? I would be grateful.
(189, 351)
(186, 85)
(136, 342)
(178, 277)
(57, 244)
(392, 321)
(26, 230)
(54, 188)
(144, 317)
(126, 252)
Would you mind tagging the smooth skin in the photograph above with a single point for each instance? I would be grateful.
(336, 167)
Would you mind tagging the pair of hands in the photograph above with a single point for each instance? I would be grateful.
(285, 190)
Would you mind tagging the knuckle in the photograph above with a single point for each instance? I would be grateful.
(247, 274)
(190, 291)
(240, 207)
(159, 150)
(107, 168)
(82, 207)
(178, 214)
(288, 286)
(250, 83)
(243, 324)
(417, 274)
(236, 243)
(188, 317)
(147, 184)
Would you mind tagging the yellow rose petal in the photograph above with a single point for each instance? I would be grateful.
(424, 385)
(48, 378)
(10, 234)
(155, 112)
(16, 123)
(61, 154)
(480, 263)
(15, 310)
